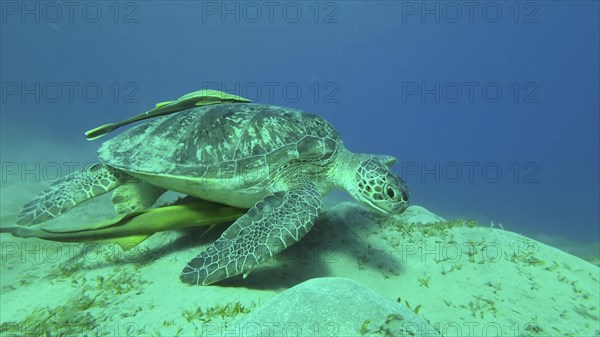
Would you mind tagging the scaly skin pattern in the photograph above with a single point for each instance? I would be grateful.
(272, 225)
(69, 191)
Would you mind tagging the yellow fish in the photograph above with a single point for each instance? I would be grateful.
(130, 230)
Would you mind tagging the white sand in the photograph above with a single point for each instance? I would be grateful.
(462, 278)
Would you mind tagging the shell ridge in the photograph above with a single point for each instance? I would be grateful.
(244, 130)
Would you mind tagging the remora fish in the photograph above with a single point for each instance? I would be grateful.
(193, 99)
(130, 230)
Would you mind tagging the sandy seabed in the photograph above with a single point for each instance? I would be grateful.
(462, 278)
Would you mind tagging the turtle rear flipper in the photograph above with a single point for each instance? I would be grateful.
(276, 222)
(70, 191)
(135, 195)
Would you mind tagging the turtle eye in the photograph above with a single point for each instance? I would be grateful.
(390, 192)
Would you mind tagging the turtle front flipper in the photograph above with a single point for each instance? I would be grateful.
(70, 191)
(273, 224)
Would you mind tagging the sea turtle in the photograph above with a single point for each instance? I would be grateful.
(276, 161)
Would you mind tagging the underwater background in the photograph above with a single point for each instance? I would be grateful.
(491, 107)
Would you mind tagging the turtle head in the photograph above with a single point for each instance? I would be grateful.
(376, 185)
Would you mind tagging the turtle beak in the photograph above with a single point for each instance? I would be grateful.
(396, 208)
(399, 207)
(375, 207)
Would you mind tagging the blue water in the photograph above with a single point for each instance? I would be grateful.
(521, 148)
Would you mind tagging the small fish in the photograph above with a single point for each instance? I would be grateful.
(191, 100)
